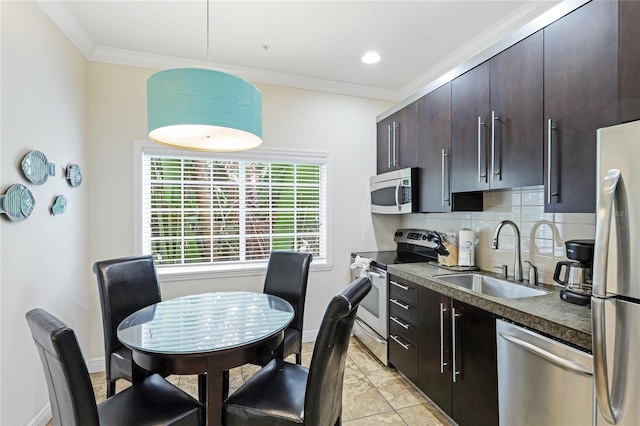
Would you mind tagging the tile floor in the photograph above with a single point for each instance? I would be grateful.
(373, 394)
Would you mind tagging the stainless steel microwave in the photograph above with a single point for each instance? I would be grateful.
(395, 192)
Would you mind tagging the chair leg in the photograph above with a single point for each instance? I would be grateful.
(111, 388)
(299, 358)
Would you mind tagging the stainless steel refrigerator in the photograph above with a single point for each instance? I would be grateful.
(615, 303)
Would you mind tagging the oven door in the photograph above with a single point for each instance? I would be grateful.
(373, 309)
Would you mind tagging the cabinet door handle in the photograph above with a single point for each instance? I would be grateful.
(550, 130)
(494, 118)
(454, 316)
(395, 127)
(402, 305)
(400, 323)
(442, 360)
(389, 146)
(480, 175)
(444, 155)
(395, 338)
(404, 287)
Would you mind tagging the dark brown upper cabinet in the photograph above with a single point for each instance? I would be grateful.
(397, 143)
(434, 150)
(580, 96)
(434, 142)
(497, 108)
(629, 61)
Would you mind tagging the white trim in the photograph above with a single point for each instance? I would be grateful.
(309, 336)
(60, 15)
(42, 417)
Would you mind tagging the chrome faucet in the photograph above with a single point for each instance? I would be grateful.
(517, 267)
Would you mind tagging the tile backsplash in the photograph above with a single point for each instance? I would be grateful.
(542, 235)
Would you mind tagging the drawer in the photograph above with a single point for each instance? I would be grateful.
(403, 355)
(399, 325)
(404, 290)
(402, 309)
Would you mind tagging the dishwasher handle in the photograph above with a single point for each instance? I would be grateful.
(553, 358)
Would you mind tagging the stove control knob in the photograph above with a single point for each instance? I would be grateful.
(424, 237)
(398, 234)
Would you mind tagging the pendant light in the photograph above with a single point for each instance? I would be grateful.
(202, 109)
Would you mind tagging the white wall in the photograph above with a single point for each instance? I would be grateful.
(542, 234)
(293, 119)
(45, 258)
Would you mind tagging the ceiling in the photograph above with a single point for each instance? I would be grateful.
(307, 44)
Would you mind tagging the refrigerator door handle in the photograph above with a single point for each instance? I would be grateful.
(603, 231)
(600, 371)
(601, 251)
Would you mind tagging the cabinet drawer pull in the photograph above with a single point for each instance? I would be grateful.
(400, 323)
(402, 305)
(404, 287)
(395, 338)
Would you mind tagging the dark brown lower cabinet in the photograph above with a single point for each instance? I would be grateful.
(457, 366)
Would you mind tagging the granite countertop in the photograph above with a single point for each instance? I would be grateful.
(547, 314)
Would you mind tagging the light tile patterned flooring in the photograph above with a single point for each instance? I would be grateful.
(372, 395)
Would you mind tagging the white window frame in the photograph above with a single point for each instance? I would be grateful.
(174, 273)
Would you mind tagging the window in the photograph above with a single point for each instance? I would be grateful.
(214, 211)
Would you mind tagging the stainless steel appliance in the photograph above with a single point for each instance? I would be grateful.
(395, 192)
(577, 279)
(615, 303)
(542, 381)
(372, 320)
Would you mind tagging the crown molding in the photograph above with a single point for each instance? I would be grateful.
(60, 15)
(147, 60)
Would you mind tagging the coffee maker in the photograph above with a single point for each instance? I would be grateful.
(577, 279)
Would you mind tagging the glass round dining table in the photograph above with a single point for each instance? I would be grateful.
(206, 333)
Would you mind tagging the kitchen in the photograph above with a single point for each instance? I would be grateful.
(91, 98)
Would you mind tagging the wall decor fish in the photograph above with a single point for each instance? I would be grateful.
(17, 203)
(36, 168)
(74, 175)
(59, 205)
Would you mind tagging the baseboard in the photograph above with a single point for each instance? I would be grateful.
(96, 365)
(309, 336)
(43, 416)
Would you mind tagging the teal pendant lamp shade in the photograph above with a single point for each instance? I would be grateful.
(204, 110)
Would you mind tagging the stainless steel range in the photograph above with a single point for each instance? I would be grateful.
(372, 320)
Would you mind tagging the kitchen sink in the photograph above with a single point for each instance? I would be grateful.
(491, 286)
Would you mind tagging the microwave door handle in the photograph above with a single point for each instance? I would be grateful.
(603, 231)
(398, 193)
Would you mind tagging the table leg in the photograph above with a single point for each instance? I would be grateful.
(214, 391)
(202, 388)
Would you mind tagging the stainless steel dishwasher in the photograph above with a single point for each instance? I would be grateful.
(542, 381)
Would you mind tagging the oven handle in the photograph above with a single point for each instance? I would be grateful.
(365, 329)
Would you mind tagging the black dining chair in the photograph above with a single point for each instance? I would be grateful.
(284, 393)
(153, 401)
(126, 285)
(286, 277)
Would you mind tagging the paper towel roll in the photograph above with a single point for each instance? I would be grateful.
(466, 247)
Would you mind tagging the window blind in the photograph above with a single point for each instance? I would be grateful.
(221, 211)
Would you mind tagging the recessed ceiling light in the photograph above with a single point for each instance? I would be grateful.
(371, 58)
